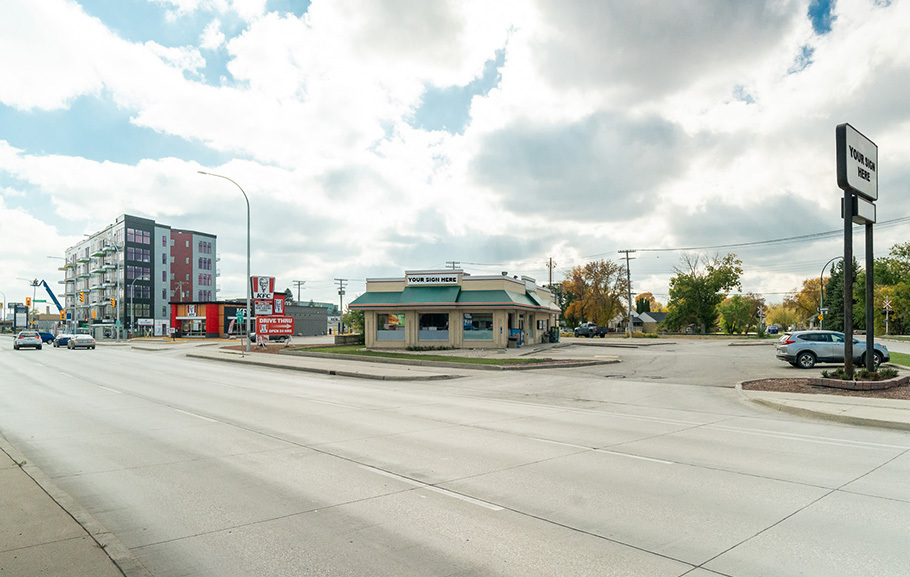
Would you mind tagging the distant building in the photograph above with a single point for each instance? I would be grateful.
(142, 265)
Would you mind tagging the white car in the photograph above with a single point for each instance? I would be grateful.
(81, 342)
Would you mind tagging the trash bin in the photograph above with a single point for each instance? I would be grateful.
(554, 334)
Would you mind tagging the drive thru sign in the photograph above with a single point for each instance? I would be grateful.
(274, 326)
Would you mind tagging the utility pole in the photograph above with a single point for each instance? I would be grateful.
(629, 283)
(341, 282)
(299, 284)
(551, 265)
(454, 263)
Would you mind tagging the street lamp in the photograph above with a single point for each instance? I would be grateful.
(821, 288)
(248, 276)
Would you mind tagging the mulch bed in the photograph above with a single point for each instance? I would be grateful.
(805, 386)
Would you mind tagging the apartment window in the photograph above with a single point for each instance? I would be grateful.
(163, 241)
(187, 244)
(163, 294)
(187, 260)
(163, 258)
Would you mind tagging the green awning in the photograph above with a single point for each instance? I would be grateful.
(440, 295)
(448, 297)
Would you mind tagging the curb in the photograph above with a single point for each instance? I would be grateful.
(822, 415)
(333, 372)
(118, 553)
(446, 365)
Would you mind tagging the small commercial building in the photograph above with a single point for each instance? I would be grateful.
(450, 308)
(220, 318)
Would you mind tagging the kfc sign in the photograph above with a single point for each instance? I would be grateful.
(263, 287)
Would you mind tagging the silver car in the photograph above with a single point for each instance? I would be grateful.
(806, 348)
(81, 342)
(28, 339)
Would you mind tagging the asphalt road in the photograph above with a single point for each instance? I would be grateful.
(629, 469)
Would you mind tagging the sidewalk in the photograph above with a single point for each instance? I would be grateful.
(886, 413)
(43, 531)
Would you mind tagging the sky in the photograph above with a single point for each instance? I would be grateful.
(378, 136)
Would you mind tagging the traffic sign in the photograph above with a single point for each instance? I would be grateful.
(887, 305)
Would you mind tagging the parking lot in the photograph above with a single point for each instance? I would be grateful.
(712, 361)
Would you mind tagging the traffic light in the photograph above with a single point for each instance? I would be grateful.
(81, 298)
(63, 315)
(28, 301)
(113, 302)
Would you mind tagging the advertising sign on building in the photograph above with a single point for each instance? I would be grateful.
(262, 287)
(279, 304)
(431, 278)
(274, 326)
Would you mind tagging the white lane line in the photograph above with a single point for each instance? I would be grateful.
(446, 492)
(466, 499)
(111, 390)
(651, 459)
(195, 415)
(807, 438)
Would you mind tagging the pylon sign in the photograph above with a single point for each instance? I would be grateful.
(857, 162)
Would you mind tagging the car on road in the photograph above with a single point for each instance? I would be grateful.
(773, 329)
(46, 337)
(28, 339)
(806, 348)
(61, 339)
(81, 342)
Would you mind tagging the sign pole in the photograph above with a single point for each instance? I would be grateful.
(870, 313)
(848, 285)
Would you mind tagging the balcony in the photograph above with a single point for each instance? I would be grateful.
(108, 249)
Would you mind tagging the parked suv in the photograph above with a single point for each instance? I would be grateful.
(805, 348)
(28, 339)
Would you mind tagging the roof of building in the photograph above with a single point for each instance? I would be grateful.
(450, 296)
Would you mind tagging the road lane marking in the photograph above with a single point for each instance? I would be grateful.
(651, 459)
(807, 438)
(439, 490)
(111, 390)
(195, 415)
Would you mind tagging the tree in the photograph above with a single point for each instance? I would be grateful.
(595, 292)
(734, 315)
(782, 315)
(698, 288)
(289, 297)
(646, 303)
(354, 320)
(834, 296)
(805, 301)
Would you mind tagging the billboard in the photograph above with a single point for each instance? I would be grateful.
(857, 162)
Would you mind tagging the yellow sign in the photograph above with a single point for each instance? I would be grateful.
(93, 313)
(821, 317)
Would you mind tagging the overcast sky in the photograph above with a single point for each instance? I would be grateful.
(378, 136)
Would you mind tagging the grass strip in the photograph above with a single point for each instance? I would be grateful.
(360, 351)
(902, 359)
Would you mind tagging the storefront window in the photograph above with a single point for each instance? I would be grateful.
(390, 327)
(433, 327)
(478, 326)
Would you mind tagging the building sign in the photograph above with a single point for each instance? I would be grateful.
(431, 279)
(278, 305)
(262, 308)
(190, 310)
(857, 162)
(146, 322)
(263, 287)
(274, 326)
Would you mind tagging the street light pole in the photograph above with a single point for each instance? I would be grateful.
(248, 274)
